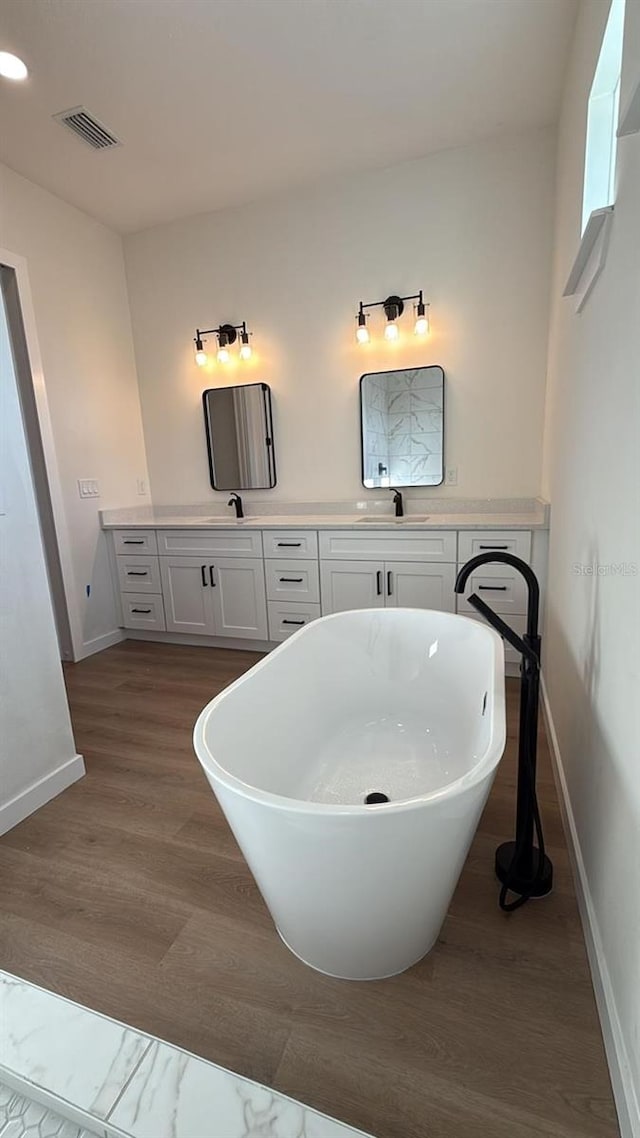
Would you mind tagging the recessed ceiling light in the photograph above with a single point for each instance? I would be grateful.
(12, 67)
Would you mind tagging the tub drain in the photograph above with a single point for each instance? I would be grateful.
(375, 797)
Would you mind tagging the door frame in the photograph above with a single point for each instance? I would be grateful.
(63, 596)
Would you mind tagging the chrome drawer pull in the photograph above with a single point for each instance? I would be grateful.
(494, 588)
(293, 622)
(137, 572)
(291, 580)
(288, 544)
(140, 610)
(133, 541)
(493, 547)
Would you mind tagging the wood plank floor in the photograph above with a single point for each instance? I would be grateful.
(129, 894)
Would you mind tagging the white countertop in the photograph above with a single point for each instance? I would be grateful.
(494, 514)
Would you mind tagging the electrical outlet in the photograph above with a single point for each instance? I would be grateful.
(142, 486)
(88, 488)
(451, 476)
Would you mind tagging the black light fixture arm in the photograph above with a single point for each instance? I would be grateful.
(228, 330)
(396, 302)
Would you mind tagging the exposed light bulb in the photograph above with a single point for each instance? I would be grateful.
(391, 332)
(223, 355)
(362, 332)
(245, 346)
(11, 67)
(201, 357)
(422, 318)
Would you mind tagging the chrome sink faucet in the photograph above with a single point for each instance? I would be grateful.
(397, 501)
(236, 500)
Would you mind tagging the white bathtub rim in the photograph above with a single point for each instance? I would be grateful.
(483, 768)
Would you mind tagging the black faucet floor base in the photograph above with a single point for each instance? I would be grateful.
(523, 883)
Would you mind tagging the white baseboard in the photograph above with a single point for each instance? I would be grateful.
(99, 643)
(42, 791)
(622, 1081)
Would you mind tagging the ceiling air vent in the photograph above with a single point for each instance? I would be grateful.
(87, 128)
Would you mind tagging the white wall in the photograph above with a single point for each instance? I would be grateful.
(471, 226)
(37, 752)
(78, 286)
(592, 475)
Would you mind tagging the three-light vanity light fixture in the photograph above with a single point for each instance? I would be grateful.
(393, 308)
(226, 335)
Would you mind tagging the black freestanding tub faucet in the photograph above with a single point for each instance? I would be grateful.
(521, 867)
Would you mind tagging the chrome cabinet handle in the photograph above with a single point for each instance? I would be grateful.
(140, 610)
(203, 574)
(137, 572)
(291, 580)
(379, 583)
(293, 622)
(288, 544)
(493, 547)
(133, 541)
(211, 580)
(493, 588)
(389, 583)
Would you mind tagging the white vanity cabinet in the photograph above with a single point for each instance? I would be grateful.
(200, 582)
(412, 569)
(376, 584)
(225, 597)
(292, 580)
(244, 584)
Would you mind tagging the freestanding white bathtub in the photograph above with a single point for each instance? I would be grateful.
(407, 703)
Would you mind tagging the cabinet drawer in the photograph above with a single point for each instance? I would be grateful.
(138, 574)
(284, 619)
(216, 543)
(500, 586)
(290, 543)
(293, 581)
(519, 624)
(135, 541)
(143, 610)
(387, 545)
(473, 542)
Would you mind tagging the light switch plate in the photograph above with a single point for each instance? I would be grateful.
(451, 476)
(88, 488)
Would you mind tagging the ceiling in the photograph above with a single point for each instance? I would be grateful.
(219, 102)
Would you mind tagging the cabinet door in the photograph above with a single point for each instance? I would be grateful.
(419, 586)
(351, 585)
(239, 599)
(187, 593)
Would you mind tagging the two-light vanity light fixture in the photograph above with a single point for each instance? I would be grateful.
(393, 307)
(226, 334)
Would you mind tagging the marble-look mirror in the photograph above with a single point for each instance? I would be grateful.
(402, 414)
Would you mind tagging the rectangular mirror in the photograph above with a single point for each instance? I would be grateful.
(240, 437)
(402, 416)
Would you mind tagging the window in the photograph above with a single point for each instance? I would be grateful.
(602, 119)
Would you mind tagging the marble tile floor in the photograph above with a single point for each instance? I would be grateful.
(69, 1072)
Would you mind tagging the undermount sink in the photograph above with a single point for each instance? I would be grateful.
(384, 520)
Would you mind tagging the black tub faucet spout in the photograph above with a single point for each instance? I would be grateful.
(521, 867)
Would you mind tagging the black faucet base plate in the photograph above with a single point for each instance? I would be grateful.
(523, 882)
